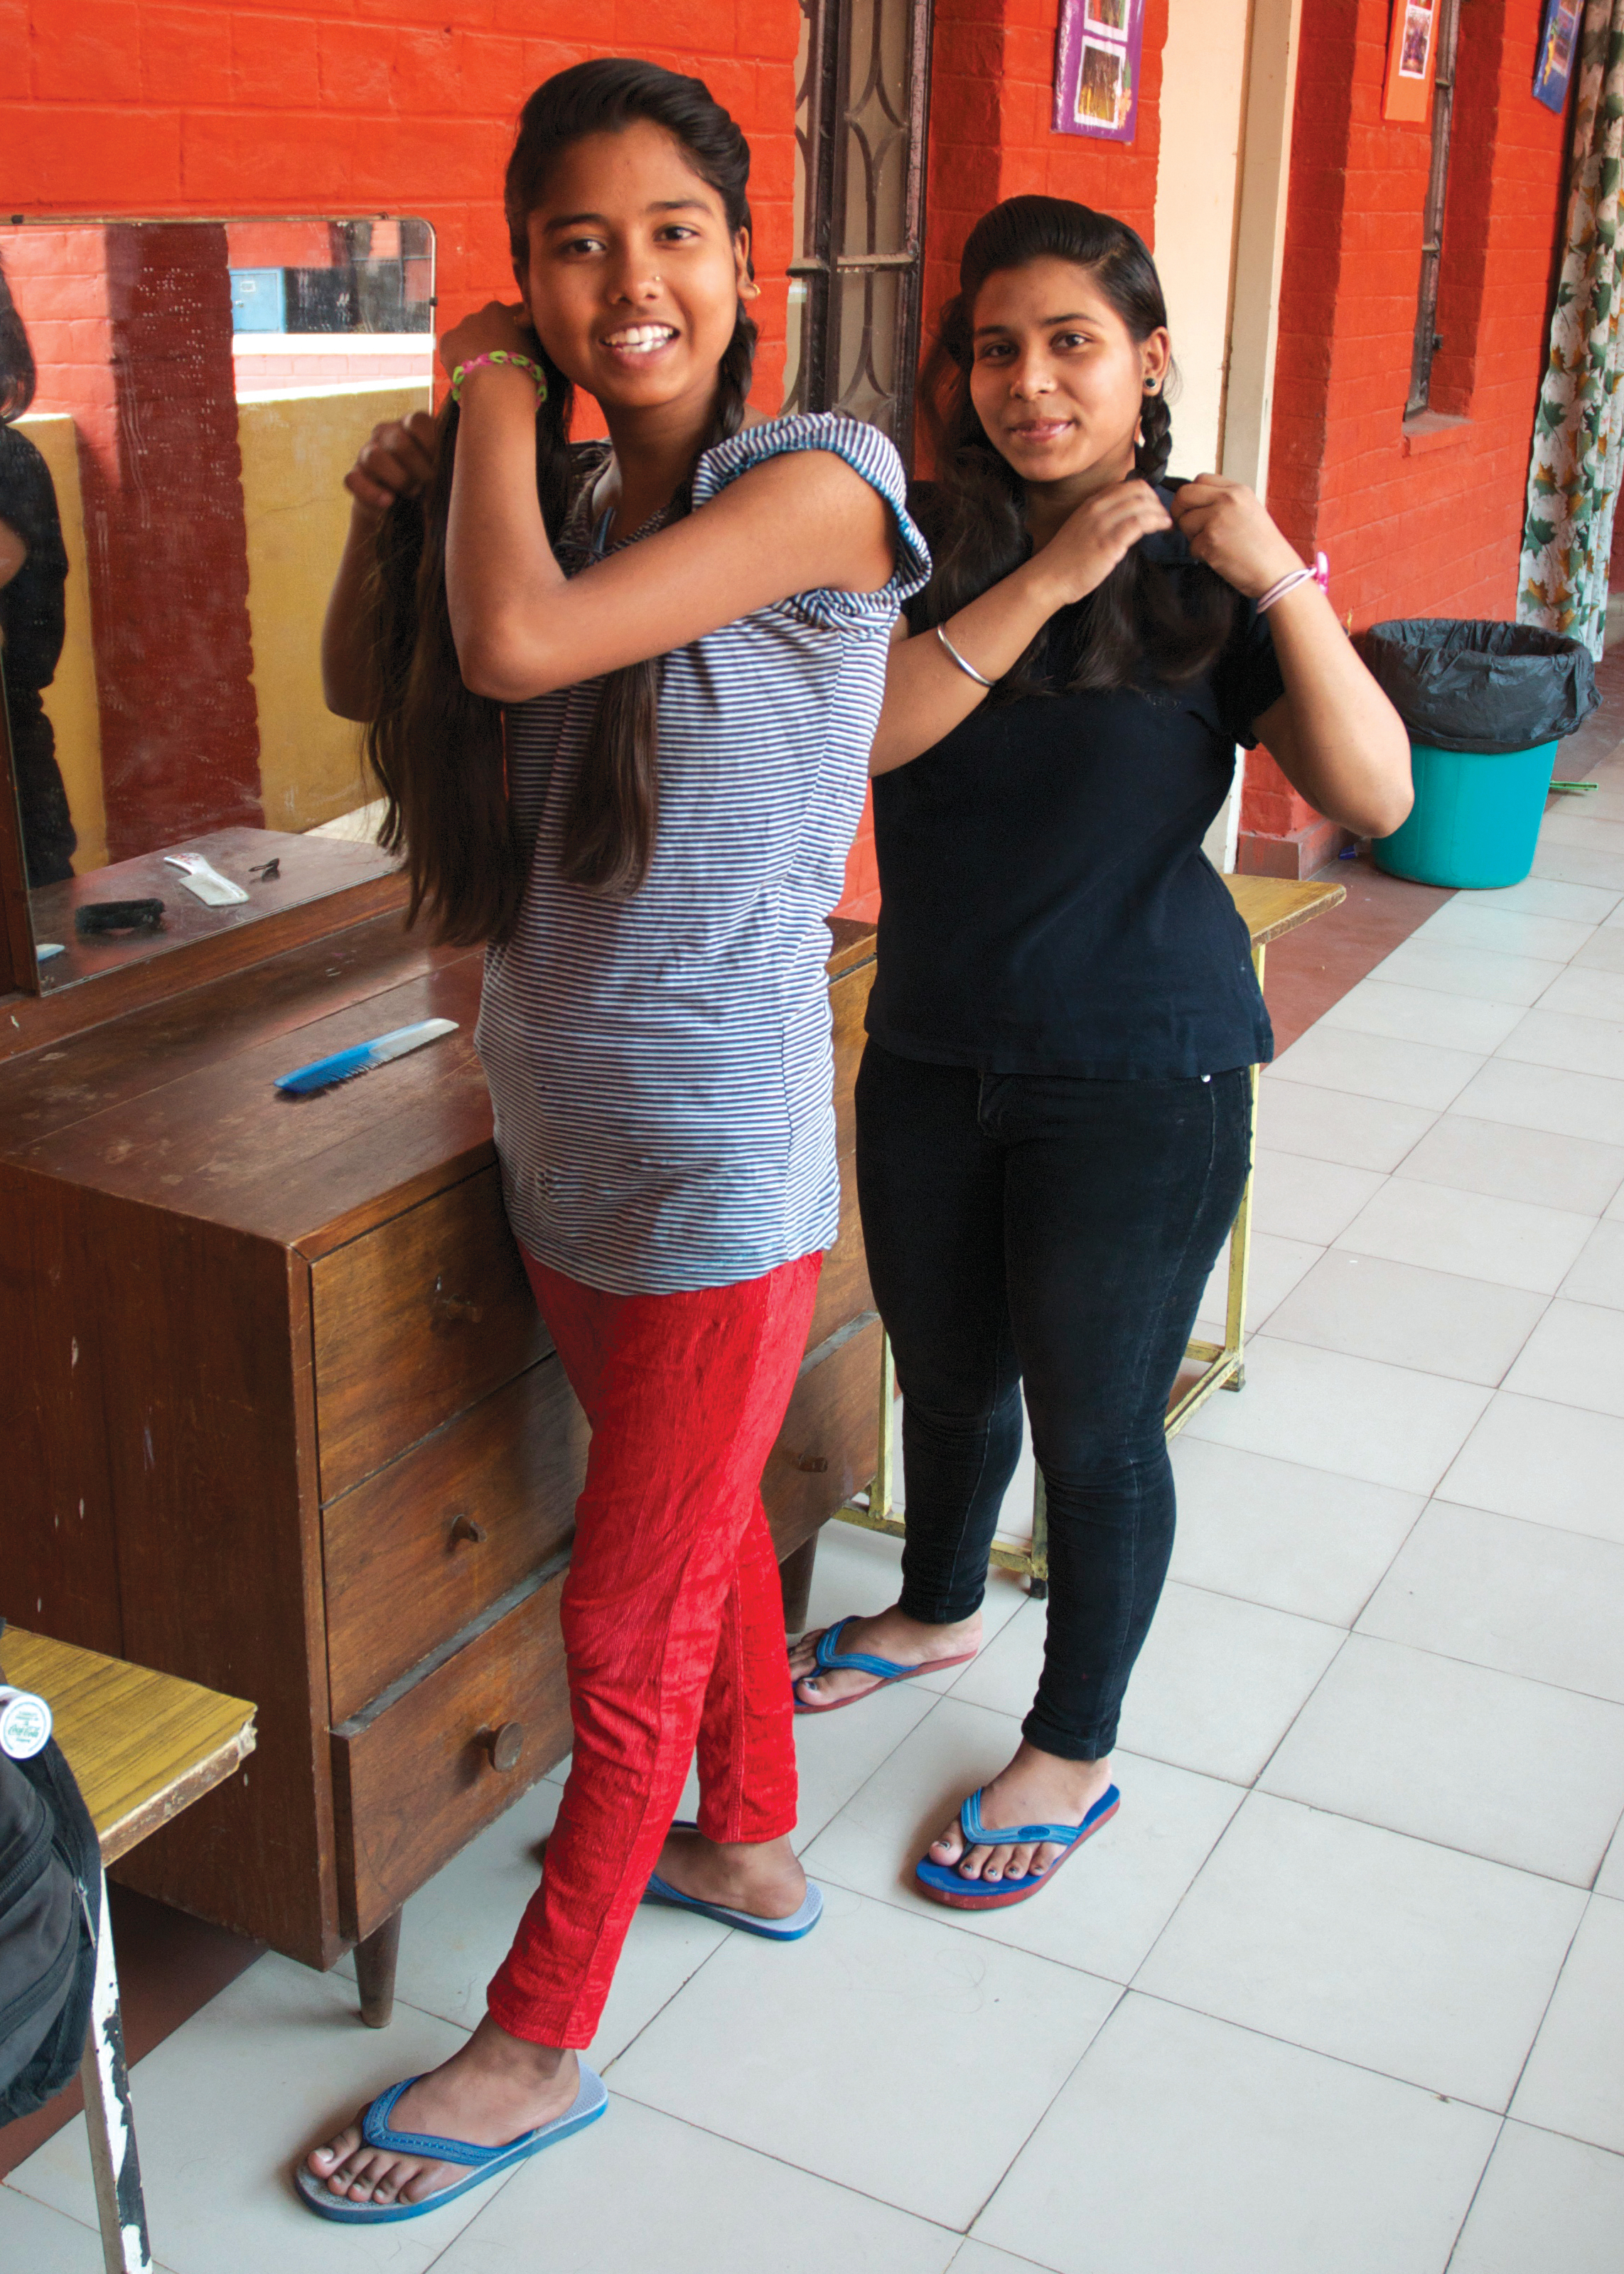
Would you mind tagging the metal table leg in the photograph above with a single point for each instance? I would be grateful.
(120, 2208)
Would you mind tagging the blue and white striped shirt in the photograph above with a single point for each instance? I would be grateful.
(661, 1065)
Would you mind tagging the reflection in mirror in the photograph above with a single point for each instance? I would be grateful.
(179, 402)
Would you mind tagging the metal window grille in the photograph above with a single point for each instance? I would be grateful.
(1428, 339)
(862, 92)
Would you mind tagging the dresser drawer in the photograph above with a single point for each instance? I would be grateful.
(423, 1547)
(414, 1779)
(829, 1446)
(848, 1005)
(415, 1321)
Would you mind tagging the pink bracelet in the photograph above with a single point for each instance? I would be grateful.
(1288, 583)
(498, 355)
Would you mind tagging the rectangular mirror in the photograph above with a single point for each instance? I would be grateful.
(179, 402)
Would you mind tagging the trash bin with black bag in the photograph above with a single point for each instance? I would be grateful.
(1485, 706)
(50, 1899)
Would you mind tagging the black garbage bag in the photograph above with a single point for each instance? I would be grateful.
(1487, 687)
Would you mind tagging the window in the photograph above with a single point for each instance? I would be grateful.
(1428, 339)
(862, 88)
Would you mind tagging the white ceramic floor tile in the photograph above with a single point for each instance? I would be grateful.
(1574, 2079)
(1581, 1045)
(1491, 1764)
(1377, 1065)
(1544, 1462)
(1571, 822)
(1422, 1014)
(642, 2189)
(1574, 1357)
(1362, 1132)
(1516, 1164)
(1585, 993)
(35, 2240)
(1402, 1957)
(1546, 1098)
(1435, 1320)
(1513, 1243)
(1610, 1878)
(982, 2258)
(225, 2106)
(456, 1930)
(1544, 896)
(1305, 1201)
(1470, 971)
(1462, 922)
(1215, 1688)
(1582, 864)
(1274, 1532)
(1525, 1598)
(1598, 1275)
(1545, 2203)
(1605, 951)
(846, 2054)
(1103, 1910)
(1353, 1416)
(1185, 2146)
(1277, 1265)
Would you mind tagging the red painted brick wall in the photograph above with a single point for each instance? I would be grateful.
(347, 107)
(1428, 526)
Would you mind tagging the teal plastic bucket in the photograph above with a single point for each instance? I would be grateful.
(1475, 819)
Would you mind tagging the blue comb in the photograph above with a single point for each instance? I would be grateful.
(322, 1073)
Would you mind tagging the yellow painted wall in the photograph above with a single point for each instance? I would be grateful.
(297, 450)
(70, 698)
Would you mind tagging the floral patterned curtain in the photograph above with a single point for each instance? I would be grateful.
(1573, 480)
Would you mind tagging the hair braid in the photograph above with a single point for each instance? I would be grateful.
(1155, 447)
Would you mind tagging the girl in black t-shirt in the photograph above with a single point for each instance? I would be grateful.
(1054, 1105)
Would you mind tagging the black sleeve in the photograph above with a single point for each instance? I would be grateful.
(1246, 677)
(33, 605)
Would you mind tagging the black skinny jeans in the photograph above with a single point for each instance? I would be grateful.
(1054, 1232)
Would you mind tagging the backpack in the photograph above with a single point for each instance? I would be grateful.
(50, 1909)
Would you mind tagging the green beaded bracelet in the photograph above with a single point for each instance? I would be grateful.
(499, 355)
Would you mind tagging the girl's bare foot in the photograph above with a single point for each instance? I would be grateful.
(1035, 1789)
(492, 2090)
(764, 1878)
(908, 1642)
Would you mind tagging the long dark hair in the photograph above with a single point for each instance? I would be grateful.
(438, 749)
(1140, 623)
(17, 375)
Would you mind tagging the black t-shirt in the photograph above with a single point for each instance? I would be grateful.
(31, 605)
(1046, 907)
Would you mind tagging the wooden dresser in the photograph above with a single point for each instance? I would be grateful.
(281, 1417)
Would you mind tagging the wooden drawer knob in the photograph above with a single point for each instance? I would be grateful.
(504, 1745)
(463, 1527)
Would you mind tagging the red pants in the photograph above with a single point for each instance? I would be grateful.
(673, 1615)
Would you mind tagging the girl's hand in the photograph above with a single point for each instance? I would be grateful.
(496, 325)
(1090, 542)
(397, 463)
(1228, 528)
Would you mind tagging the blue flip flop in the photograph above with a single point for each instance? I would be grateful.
(832, 1660)
(783, 1930)
(944, 1882)
(588, 2105)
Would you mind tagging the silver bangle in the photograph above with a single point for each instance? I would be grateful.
(968, 669)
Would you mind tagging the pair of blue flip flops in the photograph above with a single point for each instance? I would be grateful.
(588, 2105)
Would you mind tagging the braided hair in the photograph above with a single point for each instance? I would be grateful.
(438, 749)
(1141, 623)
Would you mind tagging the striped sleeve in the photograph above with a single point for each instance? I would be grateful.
(869, 453)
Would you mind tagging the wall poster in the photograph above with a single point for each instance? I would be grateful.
(1559, 48)
(1097, 68)
(1412, 60)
